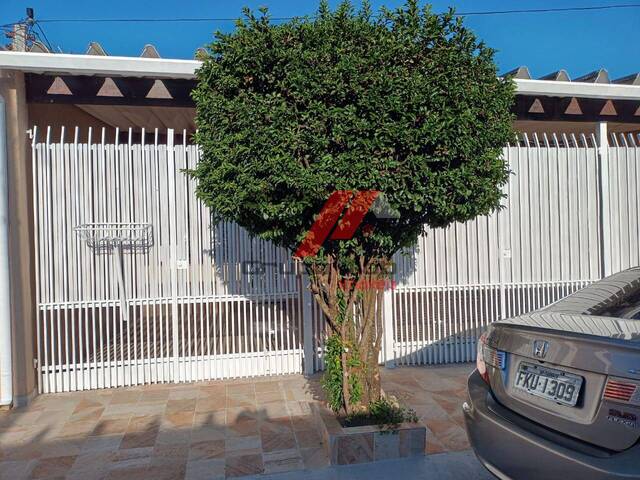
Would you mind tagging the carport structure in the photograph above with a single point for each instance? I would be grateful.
(96, 149)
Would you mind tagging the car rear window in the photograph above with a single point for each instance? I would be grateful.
(615, 296)
(626, 305)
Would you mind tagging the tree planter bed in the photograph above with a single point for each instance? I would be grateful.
(349, 445)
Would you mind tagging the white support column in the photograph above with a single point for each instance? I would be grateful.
(388, 348)
(605, 210)
(307, 328)
(173, 252)
(504, 253)
(6, 343)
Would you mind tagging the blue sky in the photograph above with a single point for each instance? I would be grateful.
(577, 41)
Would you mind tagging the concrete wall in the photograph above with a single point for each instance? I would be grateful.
(23, 301)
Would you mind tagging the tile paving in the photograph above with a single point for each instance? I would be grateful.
(436, 394)
(207, 430)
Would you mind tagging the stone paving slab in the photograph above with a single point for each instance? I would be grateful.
(436, 393)
(194, 431)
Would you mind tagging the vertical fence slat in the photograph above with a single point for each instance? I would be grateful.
(537, 250)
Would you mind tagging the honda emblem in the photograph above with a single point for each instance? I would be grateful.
(540, 348)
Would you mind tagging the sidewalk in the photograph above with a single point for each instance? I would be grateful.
(442, 466)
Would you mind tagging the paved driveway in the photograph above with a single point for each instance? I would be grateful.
(197, 431)
(436, 394)
(218, 430)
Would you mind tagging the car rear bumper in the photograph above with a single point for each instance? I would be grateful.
(510, 451)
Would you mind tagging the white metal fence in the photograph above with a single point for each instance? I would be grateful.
(570, 218)
(185, 305)
(137, 283)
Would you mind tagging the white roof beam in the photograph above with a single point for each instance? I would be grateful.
(65, 64)
(159, 68)
(554, 88)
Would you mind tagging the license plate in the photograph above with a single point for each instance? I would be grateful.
(549, 383)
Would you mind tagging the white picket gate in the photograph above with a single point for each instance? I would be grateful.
(188, 298)
(186, 305)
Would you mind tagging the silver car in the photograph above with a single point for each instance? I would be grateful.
(556, 393)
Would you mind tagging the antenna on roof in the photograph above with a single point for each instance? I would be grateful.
(30, 20)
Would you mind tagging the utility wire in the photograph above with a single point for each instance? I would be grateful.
(552, 10)
(147, 20)
(44, 36)
(460, 14)
(213, 19)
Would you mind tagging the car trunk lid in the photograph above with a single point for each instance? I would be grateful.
(598, 350)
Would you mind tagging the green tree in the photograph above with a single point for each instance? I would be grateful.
(404, 102)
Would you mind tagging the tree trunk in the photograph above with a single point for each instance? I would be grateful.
(352, 307)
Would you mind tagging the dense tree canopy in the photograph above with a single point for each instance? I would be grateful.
(405, 102)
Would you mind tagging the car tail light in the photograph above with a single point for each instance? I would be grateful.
(480, 363)
(488, 356)
(622, 391)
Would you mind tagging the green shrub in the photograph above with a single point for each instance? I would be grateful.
(386, 413)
